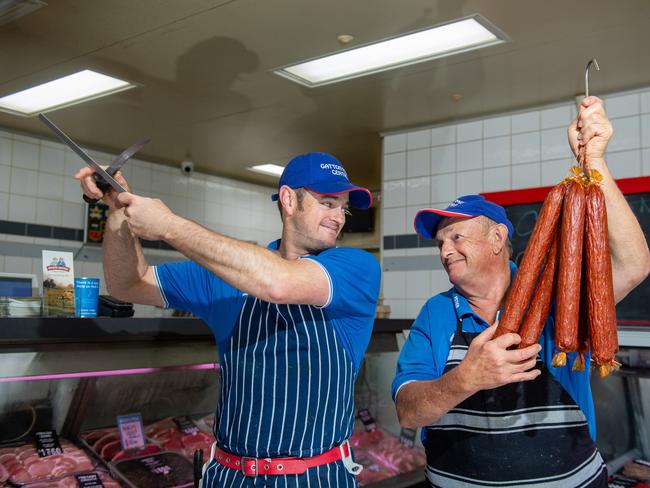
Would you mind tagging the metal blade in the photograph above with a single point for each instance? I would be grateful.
(81, 153)
(119, 161)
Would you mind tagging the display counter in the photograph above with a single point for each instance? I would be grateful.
(78, 375)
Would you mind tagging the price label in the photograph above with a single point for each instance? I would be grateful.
(407, 436)
(47, 443)
(368, 420)
(156, 466)
(89, 480)
(186, 425)
(131, 431)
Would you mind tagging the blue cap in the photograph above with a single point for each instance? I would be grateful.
(322, 173)
(427, 220)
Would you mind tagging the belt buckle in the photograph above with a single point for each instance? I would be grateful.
(249, 461)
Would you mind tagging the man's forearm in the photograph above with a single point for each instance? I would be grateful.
(248, 267)
(124, 263)
(628, 246)
(422, 403)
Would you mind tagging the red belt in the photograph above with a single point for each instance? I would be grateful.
(280, 466)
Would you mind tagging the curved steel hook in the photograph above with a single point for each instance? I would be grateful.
(595, 63)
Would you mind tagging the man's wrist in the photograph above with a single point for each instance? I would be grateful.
(462, 380)
(174, 225)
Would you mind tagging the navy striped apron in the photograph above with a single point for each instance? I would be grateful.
(287, 389)
(525, 434)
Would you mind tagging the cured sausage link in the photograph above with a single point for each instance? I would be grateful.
(600, 290)
(569, 271)
(531, 263)
(583, 320)
(537, 314)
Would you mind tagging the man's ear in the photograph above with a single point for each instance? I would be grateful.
(500, 237)
(288, 200)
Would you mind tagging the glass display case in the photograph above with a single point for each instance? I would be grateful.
(77, 376)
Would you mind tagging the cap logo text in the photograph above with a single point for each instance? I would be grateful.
(337, 170)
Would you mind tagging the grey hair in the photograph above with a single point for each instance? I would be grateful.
(488, 223)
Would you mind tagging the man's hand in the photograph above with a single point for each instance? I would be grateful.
(147, 218)
(591, 128)
(489, 364)
(90, 189)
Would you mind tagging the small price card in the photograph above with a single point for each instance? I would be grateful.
(186, 425)
(156, 466)
(47, 443)
(407, 436)
(89, 480)
(368, 420)
(131, 431)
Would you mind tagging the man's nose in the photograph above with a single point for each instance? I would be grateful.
(339, 215)
(446, 249)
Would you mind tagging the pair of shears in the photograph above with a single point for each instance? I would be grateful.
(103, 177)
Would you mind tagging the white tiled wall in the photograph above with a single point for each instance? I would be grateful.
(503, 152)
(36, 186)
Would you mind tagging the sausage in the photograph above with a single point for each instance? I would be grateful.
(537, 314)
(600, 288)
(531, 263)
(583, 318)
(569, 271)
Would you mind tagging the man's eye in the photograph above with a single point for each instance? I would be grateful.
(327, 204)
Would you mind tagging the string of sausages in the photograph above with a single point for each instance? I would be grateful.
(568, 258)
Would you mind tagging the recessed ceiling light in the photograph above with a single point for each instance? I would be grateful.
(454, 37)
(345, 39)
(72, 89)
(268, 169)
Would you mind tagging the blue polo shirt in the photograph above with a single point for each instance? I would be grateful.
(425, 352)
(354, 278)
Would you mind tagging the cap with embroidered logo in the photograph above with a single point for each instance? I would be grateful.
(427, 220)
(322, 173)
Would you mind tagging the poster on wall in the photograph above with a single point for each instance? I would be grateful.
(96, 214)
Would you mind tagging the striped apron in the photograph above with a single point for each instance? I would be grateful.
(287, 389)
(525, 434)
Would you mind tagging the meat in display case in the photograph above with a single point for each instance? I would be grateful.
(66, 385)
(69, 386)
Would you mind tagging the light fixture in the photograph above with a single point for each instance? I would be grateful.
(268, 169)
(453, 37)
(72, 89)
(12, 10)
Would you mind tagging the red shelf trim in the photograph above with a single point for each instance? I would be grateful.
(628, 186)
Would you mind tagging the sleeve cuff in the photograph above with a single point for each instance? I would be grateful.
(160, 288)
(400, 387)
(329, 281)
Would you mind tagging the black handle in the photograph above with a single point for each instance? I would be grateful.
(101, 184)
(198, 467)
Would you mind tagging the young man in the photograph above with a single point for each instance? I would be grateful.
(292, 321)
(492, 415)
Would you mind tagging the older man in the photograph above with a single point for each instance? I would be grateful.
(292, 321)
(494, 415)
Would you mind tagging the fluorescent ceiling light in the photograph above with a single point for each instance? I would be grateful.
(12, 10)
(268, 169)
(62, 92)
(442, 40)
